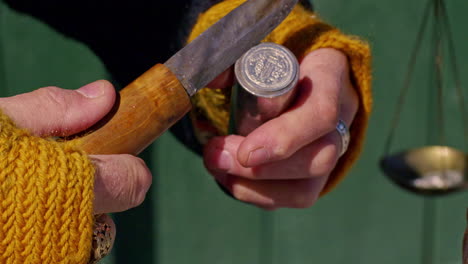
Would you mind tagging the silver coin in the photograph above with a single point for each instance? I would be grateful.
(267, 70)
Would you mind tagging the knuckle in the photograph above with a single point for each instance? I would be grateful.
(242, 194)
(326, 167)
(282, 150)
(145, 177)
(122, 181)
(283, 146)
(325, 161)
(54, 96)
(141, 183)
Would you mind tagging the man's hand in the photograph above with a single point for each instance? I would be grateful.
(286, 161)
(121, 181)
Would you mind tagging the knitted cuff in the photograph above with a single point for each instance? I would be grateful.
(46, 199)
(301, 32)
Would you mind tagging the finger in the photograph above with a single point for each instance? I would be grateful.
(270, 195)
(314, 160)
(224, 80)
(121, 182)
(314, 113)
(52, 111)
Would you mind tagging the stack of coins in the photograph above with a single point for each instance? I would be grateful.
(265, 79)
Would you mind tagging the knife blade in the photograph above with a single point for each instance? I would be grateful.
(160, 97)
(222, 44)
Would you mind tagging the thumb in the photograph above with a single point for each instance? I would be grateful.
(52, 111)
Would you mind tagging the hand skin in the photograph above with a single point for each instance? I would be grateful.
(121, 181)
(286, 161)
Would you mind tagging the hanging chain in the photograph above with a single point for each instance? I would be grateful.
(442, 30)
(438, 68)
(408, 77)
(456, 73)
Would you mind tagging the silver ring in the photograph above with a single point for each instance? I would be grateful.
(344, 134)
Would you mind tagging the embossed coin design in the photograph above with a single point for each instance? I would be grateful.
(267, 70)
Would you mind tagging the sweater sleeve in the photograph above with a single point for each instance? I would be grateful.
(46, 199)
(301, 32)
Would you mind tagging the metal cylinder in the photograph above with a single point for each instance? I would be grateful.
(265, 79)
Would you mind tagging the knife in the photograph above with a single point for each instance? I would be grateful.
(160, 97)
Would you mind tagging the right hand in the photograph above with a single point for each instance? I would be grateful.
(121, 181)
(290, 168)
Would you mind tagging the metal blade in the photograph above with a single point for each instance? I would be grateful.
(223, 43)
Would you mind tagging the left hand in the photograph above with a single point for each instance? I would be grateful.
(286, 161)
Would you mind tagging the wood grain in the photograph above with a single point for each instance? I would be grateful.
(147, 107)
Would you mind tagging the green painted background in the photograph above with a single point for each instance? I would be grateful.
(367, 220)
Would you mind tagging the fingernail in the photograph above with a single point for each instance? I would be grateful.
(92, 90)
(257, 157)
(225, 161)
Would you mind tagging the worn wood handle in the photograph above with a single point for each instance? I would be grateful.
(147, 107)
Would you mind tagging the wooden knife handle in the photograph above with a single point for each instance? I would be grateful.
(147, 107)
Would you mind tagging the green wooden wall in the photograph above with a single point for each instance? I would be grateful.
(186, 218)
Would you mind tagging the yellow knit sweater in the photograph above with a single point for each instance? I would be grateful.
(46, 187)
